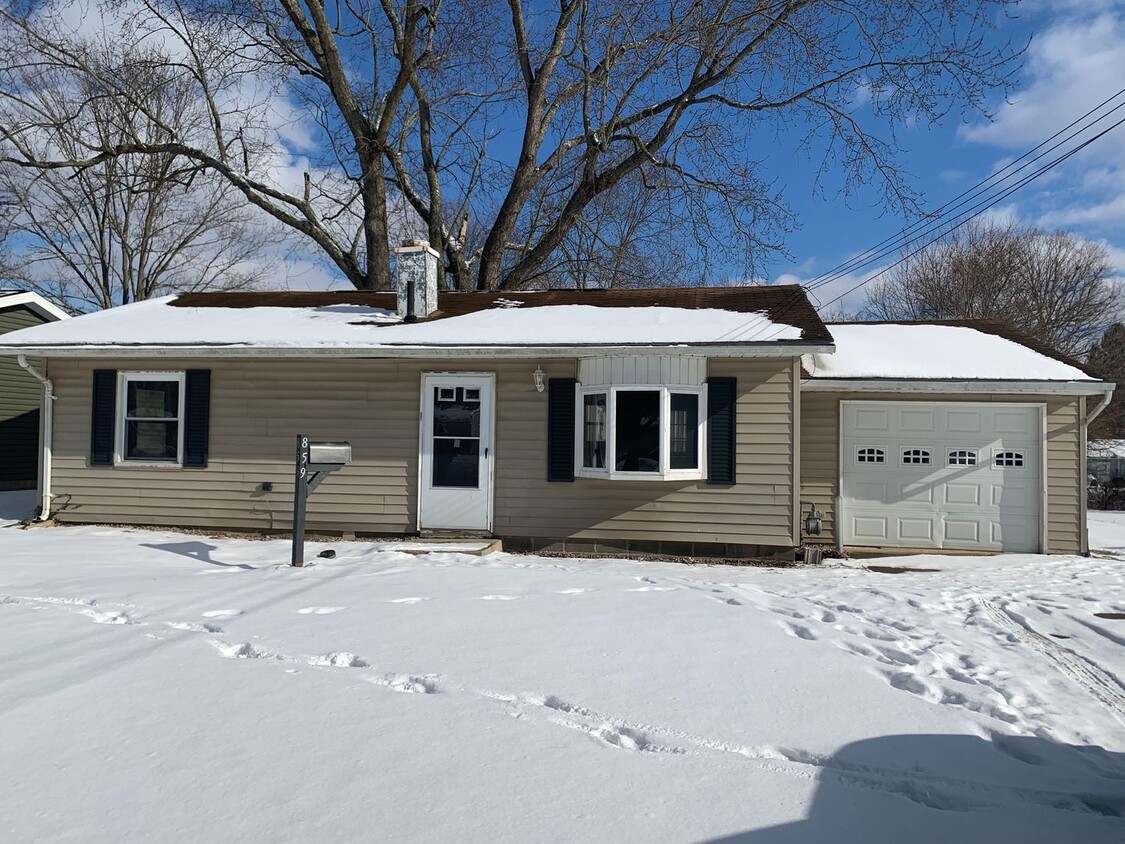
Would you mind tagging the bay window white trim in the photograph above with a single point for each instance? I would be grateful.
(664, 471)
(124, 378)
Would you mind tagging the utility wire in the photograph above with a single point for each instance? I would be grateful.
(931, 224)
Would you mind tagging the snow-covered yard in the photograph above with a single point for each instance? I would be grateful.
(174, 688)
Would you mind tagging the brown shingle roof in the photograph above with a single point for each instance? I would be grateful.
(782, 304)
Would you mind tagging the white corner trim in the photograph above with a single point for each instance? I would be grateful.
(46, 309)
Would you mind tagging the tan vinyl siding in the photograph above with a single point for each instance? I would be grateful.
(20, 396)
(257, 406)
(820, 420)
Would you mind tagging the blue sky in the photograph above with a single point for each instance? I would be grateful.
(1075, 60)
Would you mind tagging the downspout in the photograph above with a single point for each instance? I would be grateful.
(48, 432)
(1091, 415)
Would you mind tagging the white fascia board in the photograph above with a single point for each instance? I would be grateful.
(897, 385)
(723, 350)
(48, 310)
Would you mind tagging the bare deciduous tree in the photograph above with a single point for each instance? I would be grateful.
(475, 111)
(130, 227)
(1107, 360)
(1050, 284)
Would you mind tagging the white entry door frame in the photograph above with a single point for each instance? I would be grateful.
(455, 451)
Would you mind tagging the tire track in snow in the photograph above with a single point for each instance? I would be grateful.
(1101, 685)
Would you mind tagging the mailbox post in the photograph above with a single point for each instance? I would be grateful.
(315, 460)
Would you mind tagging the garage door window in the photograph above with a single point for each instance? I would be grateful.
(870, 455)
(916, 457)
(962, 457)
(1009, 459)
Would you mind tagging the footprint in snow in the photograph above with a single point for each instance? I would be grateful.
(409, 684)
(408, 600)
(800, 631)
(192, 627)
(112, 617)
(499, 597)
(652, 589)
(221, 613)
(319, 610)
(574, 591)
(339, 659)
(239, 650)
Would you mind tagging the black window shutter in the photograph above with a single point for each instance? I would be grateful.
(560, 429)
(721, 439)
(197, 417)
(102, 414)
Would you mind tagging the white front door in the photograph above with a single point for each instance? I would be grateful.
(942, 475)
(455, 466)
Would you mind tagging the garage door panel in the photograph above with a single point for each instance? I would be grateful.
(917, 532)
(875, 420)
(872, 491)
(920, 420)
(870, 528)
(967, 420)
(963, 476)
(961, 493)
(961, 529)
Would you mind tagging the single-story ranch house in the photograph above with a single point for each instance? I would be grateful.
(706, 421)
(20, 392)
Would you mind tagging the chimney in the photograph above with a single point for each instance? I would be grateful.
(417, 270)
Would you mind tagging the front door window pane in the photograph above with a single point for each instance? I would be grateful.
(684, 431)
(637, 430)
(456, 437)
(456, 462)
(593, 431)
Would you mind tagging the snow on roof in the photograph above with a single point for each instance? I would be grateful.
(365, 328)
(1105, 448)
(894, 350)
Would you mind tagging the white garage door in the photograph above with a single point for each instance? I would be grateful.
(934, 475)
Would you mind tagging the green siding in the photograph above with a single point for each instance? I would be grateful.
(20, 396)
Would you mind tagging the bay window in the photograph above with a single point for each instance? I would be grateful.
(640, 432)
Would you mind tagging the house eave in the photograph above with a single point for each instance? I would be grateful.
(46, 309)
(957, 385)
(775, 349)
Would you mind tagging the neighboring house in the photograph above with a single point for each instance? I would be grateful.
(19, 392)
(1105, 463)
(687, 421)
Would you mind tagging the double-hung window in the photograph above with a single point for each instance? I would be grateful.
(150, 416)
(640, 432)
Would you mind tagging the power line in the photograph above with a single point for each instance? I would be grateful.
(968, 214)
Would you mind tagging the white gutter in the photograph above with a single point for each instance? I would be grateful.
(726, 350)
(47, 427)
(952, 385)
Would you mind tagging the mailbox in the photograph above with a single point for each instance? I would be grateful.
(322, 453)
(316, 460)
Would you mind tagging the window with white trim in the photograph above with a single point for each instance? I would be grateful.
(870, 455)
(150, 416)
(916, 457)
(1008, 459)
(962, 457)
(640, 432)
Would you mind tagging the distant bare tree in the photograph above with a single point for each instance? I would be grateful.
(1050, 284)
(1107, 360)
(468, 109)
(130, 227)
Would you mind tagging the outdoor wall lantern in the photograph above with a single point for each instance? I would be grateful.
(538, 378)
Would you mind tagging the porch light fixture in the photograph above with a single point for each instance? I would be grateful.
(538, 378)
